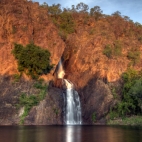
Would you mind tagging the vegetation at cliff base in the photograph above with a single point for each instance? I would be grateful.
(93, 117)
(133, 120)
(28, 101)
(131, 100)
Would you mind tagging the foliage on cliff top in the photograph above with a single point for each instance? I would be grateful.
(79, 20)
(32, 60)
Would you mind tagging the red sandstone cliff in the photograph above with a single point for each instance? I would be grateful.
(90, 69)
(84, 52)
(25, 22)
(85, 64)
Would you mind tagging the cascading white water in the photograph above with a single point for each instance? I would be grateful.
(60, 70)
(72, 107)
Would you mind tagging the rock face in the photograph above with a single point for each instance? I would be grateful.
(96, 100)
(90, 70)
(26, 22)
(49, 111)
(85, 63)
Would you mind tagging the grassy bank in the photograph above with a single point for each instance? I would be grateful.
(133, 120)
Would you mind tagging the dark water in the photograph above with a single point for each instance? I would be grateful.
(70, 134)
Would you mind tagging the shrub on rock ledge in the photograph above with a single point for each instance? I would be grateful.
(32, 59)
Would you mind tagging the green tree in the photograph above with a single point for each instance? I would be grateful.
(67, 24)
(44, 5)
(136, 92)
(32, 60)
(138, 24)
(117, 13)
(131, 102)
(73, 8)
(134, 56)
(96, 12)
(55, 9)
(82, 7)
(126, 18)
(132, 89)
(107, 51)
(117, 48)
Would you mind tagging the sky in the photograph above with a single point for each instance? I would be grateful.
(130, 8)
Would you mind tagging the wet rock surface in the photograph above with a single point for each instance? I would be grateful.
(49, 111)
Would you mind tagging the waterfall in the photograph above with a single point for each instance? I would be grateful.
(72, 107)
(60, 70)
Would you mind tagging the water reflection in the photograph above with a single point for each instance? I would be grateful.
(70, 134)
(26, 134)
(73, 134)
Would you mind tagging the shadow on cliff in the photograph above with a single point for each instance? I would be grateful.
(47, 112)
(96, 100)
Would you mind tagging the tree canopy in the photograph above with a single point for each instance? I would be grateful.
(82, 7)
(32, 60)
(96, 12)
